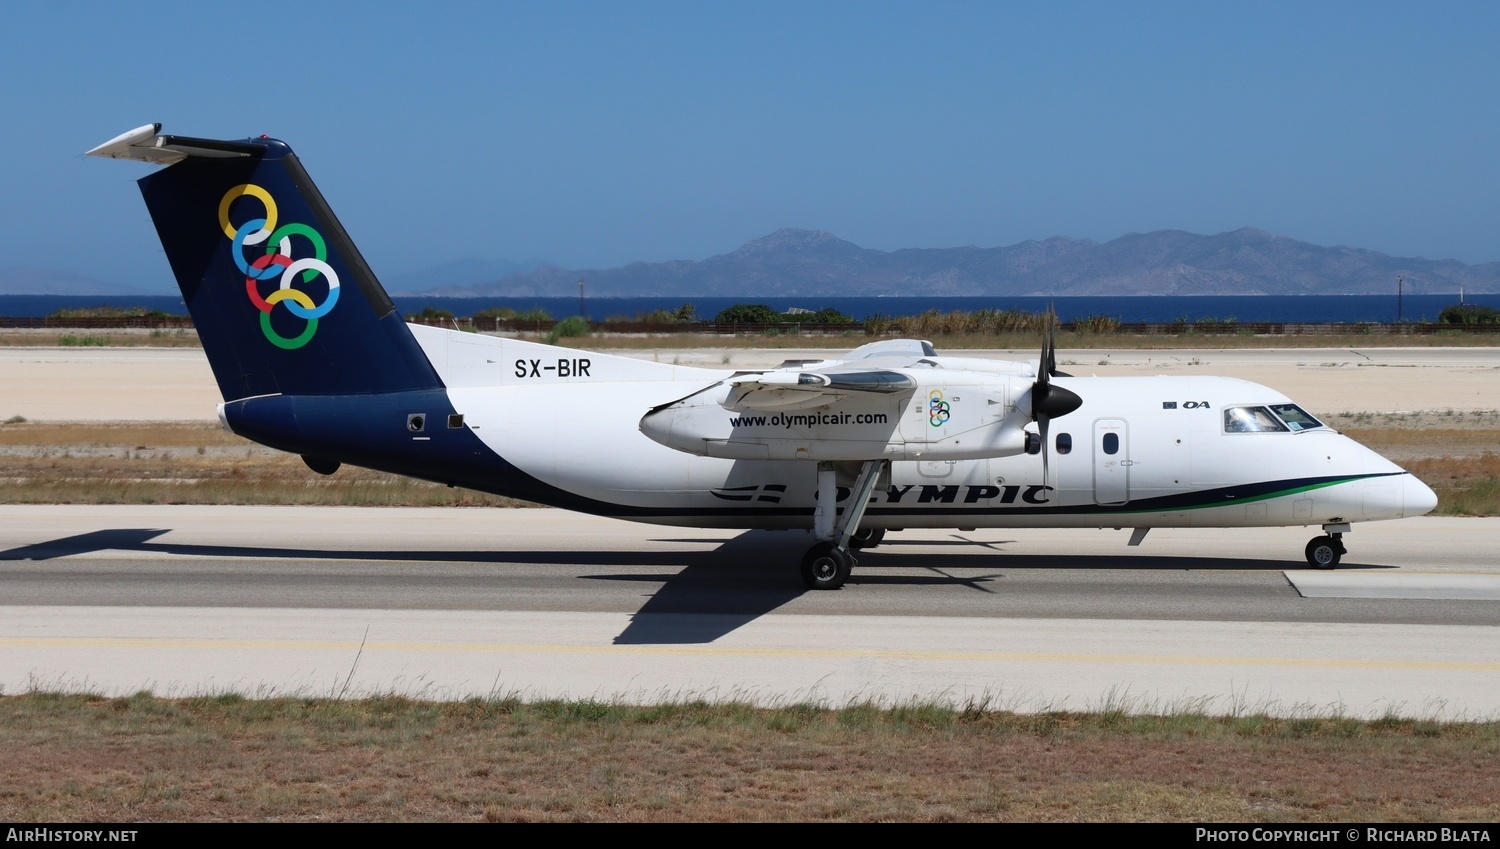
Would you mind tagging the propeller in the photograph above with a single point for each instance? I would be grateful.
(1049, 401)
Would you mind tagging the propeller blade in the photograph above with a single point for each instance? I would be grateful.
(1049, 348)
(1049, 344)
(1049, 401)
(1041, 426)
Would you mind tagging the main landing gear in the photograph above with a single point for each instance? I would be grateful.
(827, 564)
(826, 567)
(1324, 552)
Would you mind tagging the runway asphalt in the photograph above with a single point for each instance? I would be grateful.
(453, 603)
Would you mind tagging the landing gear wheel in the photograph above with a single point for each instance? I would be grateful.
(867, 537)
(1324, 552)
(825, 567)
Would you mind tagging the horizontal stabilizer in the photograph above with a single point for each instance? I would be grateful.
(909, 348)
(146, 144)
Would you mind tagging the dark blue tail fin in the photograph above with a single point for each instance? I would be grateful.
(282, 299)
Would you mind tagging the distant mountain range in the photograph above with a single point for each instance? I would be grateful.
(802, 263)
(52, 281)
(812, 263)
(459, 272)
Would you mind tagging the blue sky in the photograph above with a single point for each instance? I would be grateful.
(594, 134)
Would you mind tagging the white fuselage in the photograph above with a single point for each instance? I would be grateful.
(1139, 452)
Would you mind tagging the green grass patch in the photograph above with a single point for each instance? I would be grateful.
(571, 327)
(70, 340)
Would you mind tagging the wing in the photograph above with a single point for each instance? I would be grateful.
(797, 390)
(879, 368)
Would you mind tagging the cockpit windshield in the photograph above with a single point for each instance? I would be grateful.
(1295, 417)
(1251, 420)
(1276, 418)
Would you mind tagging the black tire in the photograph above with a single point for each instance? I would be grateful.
(1324, 552)
(825, 567)
(867, 537)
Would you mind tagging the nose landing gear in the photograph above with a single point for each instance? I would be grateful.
(1324, 552)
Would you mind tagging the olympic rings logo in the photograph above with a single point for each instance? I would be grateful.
(278, 262)
(937, 408)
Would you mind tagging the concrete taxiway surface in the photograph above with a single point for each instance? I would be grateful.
(451, 603)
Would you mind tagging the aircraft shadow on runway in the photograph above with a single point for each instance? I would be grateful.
(697, 596)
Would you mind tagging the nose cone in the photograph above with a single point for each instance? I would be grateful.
(1417, 497)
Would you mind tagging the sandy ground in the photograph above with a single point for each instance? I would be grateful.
(175, 384)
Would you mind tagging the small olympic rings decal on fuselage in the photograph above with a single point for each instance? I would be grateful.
(937, 408)
(277, 262)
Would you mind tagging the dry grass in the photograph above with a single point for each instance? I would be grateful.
(1447, 421)
(72, 758)
(1465, 486)
(114, 338)
(177, 463)
(1404, 437)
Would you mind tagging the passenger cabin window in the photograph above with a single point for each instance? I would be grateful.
(1251, 420)
(1111, 443)
(1295, 417)
(1064, 443)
